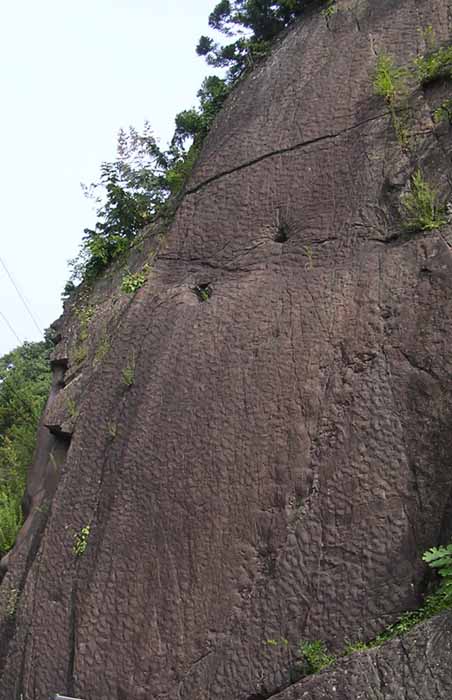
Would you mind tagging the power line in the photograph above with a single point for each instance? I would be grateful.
(21, 296)
(10, 326)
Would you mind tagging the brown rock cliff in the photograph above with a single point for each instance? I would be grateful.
(270, 463)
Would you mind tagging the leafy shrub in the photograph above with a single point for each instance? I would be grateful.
(68, 290)
(11, 510)
(24, 387)
(390, 82)
(423, 212)
(437, 64)
(389, 79)
(135, 188)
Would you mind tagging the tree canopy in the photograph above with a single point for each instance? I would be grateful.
(133, 189)
(24, 387)
(253, 24)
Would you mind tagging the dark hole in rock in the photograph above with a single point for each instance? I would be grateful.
(282, 233)
(203, 291)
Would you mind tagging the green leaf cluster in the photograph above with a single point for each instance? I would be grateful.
(389, 80)
(314, 657)
(24, 387)
(440, 558)
(81, 541)
(434, 65)
(133, 281)
(423, 211)
(330, 10)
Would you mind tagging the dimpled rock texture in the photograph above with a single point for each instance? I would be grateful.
(272, 462)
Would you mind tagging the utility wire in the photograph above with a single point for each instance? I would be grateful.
(10, 326)
(21, 296)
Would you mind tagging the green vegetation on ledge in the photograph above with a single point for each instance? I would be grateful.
(310, 657)
(434, 65)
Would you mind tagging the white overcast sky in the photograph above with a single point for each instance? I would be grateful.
(72, 73)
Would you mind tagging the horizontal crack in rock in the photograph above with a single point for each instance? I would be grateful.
(281, 151)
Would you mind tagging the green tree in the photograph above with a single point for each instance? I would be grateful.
(253, 24)
(24, 387)
(129, 193)
(133, 189)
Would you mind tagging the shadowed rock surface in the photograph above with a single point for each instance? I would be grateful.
(272, 462)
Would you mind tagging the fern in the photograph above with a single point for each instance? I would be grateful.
(440, 558)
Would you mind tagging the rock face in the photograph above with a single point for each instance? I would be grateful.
(271, 462)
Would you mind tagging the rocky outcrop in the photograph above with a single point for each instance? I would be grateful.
(408, 668)
(271, 461)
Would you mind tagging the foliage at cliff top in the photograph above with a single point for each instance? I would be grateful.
(135, 188)
(24, 387)
(252, 24)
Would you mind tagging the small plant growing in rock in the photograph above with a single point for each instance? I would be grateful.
(440, 558)
(81, 541)
(389, 79)
(112, 430)
(84, 316)
(423, 212)
(429, 36)
(314, 657)
(307, 658)
(437, 64)
(132, 282)
(203, 292)
(128, 373)
(390, 82)
(330, 10)
(11, 603)
(443, 113)
(71, 408)
(354, 647)
(80, 353)
(102, 349)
